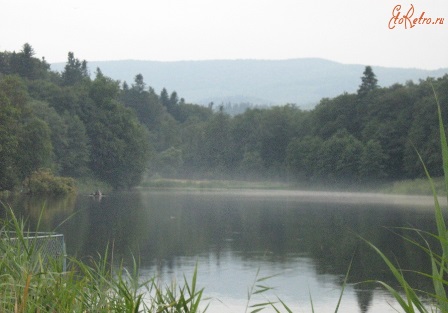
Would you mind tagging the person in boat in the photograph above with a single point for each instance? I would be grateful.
(98, 193)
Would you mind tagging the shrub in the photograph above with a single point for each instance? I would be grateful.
(43, 182)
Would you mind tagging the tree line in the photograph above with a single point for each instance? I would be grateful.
(72, 124)
(79, 125)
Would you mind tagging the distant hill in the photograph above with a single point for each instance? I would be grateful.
(263, 82)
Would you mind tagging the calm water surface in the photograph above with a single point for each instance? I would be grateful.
(307, 240)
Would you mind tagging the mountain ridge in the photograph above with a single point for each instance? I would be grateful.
(302, 81)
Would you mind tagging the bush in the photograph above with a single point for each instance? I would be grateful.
(43, 182)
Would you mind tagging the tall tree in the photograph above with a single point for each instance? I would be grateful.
(76, 159)
(9, 129)
(217, 145)
(57, 126)
(74, 71)
(120, 144)
(331, 115)
(372, 164)
(174, 99)
(302, 156)
(146, 104)
(275, 136)
(339, 158)
(369, 82)
(139, 84)
(35, 148)
(26, 67)
(164, 98)
(14, 88)
(24, 64)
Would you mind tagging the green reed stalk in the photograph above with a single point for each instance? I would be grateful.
(32, 282)
(409, 299)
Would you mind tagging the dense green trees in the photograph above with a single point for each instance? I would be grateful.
(68, 123)
(24, 64)
(79, 126)
(75, 71)
(24, 138)
(303, 155)
(9, 143)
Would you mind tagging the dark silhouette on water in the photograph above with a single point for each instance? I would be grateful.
(97, 194)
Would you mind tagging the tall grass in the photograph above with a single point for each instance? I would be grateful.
(31, 281)
(409, 298)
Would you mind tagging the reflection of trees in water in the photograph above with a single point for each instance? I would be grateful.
(187, 225)
(161, 228)
(48, 212)
(336, 241)
(116, 223)
(279, 231)
(364, 297)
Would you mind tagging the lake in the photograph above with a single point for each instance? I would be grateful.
(305, 239)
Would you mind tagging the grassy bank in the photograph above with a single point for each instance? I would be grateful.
(418, 186)
(165, 183)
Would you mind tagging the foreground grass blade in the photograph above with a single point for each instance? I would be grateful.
(412, 300)
(312, 305)
(442, 140)
(344, 285)
(440, 272)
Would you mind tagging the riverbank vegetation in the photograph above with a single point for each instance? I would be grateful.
(33, 280)
(77, 126)
(91, 127)
(166, 183)
(417, 186)
(43, 182)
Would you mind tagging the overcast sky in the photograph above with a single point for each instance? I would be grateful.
(346, 31)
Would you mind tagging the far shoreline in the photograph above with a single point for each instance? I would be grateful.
(290, 192)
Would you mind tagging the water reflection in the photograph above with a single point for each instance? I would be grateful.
(230, 235)
(34, 209)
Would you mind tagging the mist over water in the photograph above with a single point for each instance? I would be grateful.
(306, 239)
(423, 202)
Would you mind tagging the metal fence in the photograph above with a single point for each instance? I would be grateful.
(49, 245)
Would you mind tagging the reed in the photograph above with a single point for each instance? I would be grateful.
(33, 282)
(411, 299)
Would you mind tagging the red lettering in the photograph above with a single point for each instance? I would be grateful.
(407, 21)
(407, 17)
(394, 16)
(421, 18)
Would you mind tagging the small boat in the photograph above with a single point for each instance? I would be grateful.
(97, 194)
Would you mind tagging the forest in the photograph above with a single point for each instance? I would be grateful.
(74, 124)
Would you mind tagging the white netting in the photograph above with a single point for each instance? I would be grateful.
(49, 245)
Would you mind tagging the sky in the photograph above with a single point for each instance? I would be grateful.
(365, 32)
